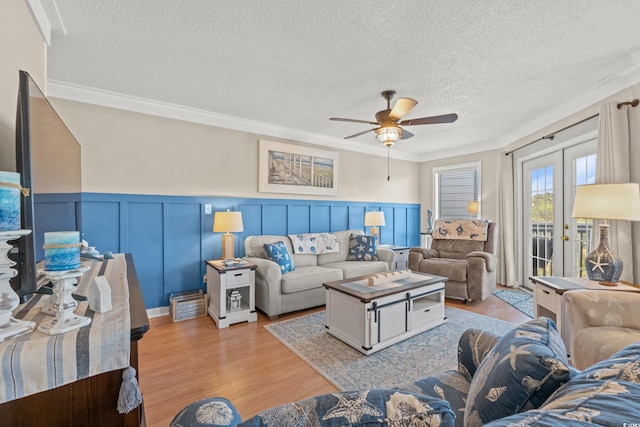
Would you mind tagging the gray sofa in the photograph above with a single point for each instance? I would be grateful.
(470, 265)
(278, 293)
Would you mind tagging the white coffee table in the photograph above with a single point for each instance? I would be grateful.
(370, 318)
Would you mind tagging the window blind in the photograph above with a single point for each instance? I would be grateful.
(455, 189)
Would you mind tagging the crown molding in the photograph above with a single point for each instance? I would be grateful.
(72, 92)
(608, 87)
(618, 82)
(47, 17)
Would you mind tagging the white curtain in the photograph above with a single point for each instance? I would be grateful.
(506, 274)
(613, 166)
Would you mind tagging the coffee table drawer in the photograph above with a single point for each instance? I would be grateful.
(426, 312)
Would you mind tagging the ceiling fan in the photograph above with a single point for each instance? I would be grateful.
(389, 130)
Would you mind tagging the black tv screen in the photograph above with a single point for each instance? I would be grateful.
(48, 160)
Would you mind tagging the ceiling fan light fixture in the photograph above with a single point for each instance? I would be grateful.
(388, 135)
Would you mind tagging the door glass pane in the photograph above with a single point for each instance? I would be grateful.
(541, 219)
(585, 173)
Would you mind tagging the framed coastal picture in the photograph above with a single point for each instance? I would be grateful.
(294, 169)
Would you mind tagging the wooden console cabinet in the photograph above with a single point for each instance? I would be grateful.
(90, 401)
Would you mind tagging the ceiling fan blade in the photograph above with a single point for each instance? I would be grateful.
(339, 119)
(402, 107)
(359, 133)
(406, 134)
(445, 118)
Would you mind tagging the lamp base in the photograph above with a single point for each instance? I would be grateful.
(601, 264)
(227, 246)
(375, 232)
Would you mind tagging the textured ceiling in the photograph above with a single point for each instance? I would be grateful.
(284, 67)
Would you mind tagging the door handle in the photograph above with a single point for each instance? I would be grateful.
(565, 238)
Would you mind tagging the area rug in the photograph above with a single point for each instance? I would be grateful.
(518, 298)
(433, 351)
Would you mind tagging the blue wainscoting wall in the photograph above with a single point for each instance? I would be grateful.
(170, 237)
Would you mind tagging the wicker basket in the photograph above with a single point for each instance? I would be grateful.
(187, 305)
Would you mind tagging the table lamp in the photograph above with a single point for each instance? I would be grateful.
(227, 222)
(606, 201)
(374, 220)
(473, 208)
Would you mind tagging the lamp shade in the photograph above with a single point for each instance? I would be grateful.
(608, 201)
(373, 219)
(227, 222)
(473, 207)
(388, 135)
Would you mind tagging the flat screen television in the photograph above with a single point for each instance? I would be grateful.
(48, 160)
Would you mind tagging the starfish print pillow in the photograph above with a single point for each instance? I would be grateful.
(278, 253)
(522, 370)
(363, 248)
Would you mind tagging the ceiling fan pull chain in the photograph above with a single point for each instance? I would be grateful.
(388, 175)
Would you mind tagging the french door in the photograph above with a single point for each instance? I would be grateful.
(554, 243)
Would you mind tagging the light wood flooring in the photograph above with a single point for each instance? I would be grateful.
(186, 361)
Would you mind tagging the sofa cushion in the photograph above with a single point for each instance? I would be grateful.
(604, 394)
(456, 249)
(362, 248)
(309, 277)
(521, 371)
(451, 386)
(454, 269)
(356, 268)
(363, 407)
(278, 253)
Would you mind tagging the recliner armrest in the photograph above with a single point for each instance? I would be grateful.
(489, 259)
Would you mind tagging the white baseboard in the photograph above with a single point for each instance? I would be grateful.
(158, 311)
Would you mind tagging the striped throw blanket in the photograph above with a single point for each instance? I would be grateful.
(37, 362)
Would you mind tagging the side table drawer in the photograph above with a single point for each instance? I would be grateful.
(238, 278)
(546, 297)
(402, 255)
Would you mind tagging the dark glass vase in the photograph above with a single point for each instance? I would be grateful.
(601, 264)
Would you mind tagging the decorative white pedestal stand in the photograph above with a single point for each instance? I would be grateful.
(10, 327)
(63, 303)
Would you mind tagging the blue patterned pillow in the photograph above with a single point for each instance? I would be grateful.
(278, 253)
(604, 394)
(524, 368)
(213, 412)
(363, 248)
(363, 407)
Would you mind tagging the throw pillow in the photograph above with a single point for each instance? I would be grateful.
(524, 368)
(362, 248)
(278, 253)
(213, 411)
(362, 407)
(604, 394)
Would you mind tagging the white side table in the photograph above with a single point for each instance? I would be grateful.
(548, 301)
(401, 259)
(221, 282)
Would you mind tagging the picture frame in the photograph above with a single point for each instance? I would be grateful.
(295, 169)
